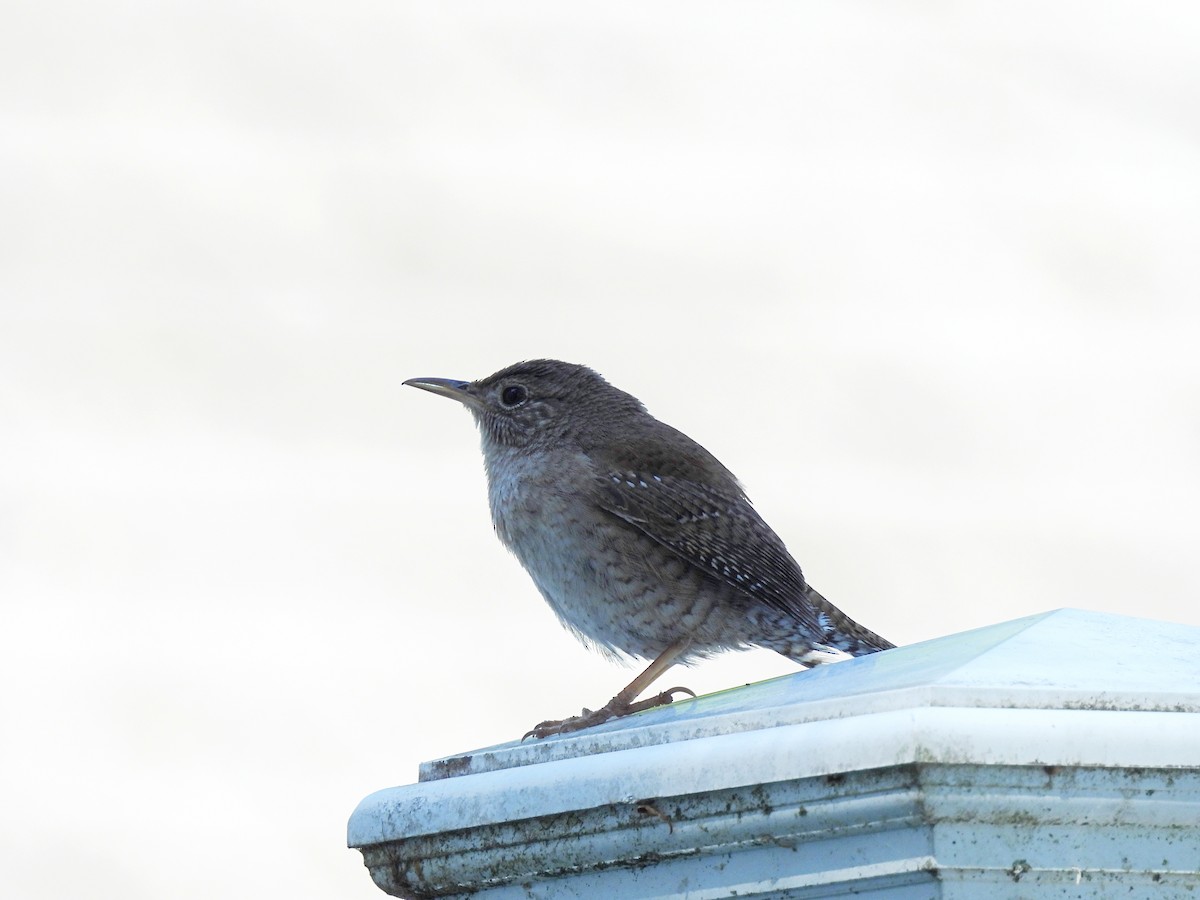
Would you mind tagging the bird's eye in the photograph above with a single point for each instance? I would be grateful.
(514, 395)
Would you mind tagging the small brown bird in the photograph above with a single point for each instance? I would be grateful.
(639, 539)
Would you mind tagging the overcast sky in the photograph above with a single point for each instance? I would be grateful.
(924, 275)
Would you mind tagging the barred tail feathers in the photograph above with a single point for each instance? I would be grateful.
(843, 637)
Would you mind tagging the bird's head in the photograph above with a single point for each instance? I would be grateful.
(539, 403)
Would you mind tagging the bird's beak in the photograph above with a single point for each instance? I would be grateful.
(447, 387)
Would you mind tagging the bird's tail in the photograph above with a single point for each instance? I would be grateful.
(843, 636)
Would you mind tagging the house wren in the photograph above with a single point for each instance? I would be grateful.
(640, 540)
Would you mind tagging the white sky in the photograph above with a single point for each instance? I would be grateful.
(924, 275)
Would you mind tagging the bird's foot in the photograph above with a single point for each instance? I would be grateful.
(613, 709)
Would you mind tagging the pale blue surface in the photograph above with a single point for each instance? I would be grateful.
(1060, 752)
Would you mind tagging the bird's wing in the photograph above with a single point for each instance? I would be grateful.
(715, 531)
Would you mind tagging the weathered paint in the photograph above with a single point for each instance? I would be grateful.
(1016, 760)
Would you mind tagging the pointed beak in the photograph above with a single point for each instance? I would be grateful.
(447, 387)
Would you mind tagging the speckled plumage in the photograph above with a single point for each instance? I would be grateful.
(635, 534)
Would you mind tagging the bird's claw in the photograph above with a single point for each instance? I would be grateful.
(614, 709)
(586, 719)
(662, 699)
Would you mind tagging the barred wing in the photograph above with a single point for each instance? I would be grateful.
(715, 531)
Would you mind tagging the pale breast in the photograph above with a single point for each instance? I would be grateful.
(608, 583)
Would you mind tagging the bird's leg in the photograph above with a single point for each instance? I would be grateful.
(623, 704)
(662, 662)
